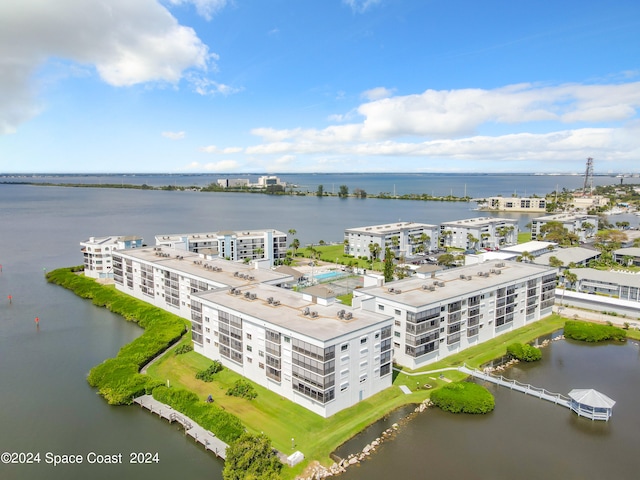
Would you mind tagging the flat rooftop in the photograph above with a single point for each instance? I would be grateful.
(390, 227)
(565, 217)
(479, 221)
(287, 311)
(532, 246)
(215, 235)
(218, 270)
(418, 292)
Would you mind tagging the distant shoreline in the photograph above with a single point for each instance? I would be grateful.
(264, 191)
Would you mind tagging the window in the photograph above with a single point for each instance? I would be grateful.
(344, 347)
(344, 386)
(249, 348)
(397, 312)
(249, 360)
(363, 340)
(396, 334)
(287, 339)
(207, 329)
(380, 307)
(248, 336)
(363, 378)
(208, 340)
(261, 365)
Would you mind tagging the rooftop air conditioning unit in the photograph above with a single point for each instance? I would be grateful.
(314, 314)
(306, 311)
(269, 300)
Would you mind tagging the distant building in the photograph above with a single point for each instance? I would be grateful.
(403, 238)
(627, 256)
(269, 180)
(266, 246)
(620, 285)
(481, 232)
(534, 248)
(584, 226)
(570, 257)
(459, 308)
(233, 182)
(589, 202)
(515, 204)
(97, 253)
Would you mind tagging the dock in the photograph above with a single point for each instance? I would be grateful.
(584, 402)
(191, 428)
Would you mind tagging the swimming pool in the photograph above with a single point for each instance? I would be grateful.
(322, 277)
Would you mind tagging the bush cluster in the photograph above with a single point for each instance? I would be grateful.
(182, 349)
(463, 397)
(524, 352)
(242, 389)
(207, 374)
(208, 415)
(592, 332)
(117, 379)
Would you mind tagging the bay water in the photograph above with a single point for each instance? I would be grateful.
(47, 407)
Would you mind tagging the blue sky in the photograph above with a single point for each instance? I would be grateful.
(277, 86)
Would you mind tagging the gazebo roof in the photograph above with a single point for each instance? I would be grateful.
(592, 398)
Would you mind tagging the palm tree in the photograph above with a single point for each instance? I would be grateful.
(295, 245)
(424, 239)
(374, 249)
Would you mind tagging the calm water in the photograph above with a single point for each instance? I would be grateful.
(47, 406)
(524, 437)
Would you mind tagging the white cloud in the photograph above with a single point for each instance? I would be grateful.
(174, 135)
(285, 160)
(214, 149)
(205, 8)
(206, 86)
(377, 93)
(128, 42)
(360, 6)
(221, 166)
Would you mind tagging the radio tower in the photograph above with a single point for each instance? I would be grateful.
(588, 178)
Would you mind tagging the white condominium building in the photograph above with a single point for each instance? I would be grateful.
(323, 357)
(258, 245)
(97, 253)
(515, 204)
(584, 226)
(459, 308)
(168, 278)
(403, 238)
(481, 232)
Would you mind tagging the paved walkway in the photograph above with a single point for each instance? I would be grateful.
(191, 428)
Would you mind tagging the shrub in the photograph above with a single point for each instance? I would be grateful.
(182, 349)
(463, 397)
(251, 456)
(208, 415)
(207, 374)
(242, 389)
(118, 379)
(524, 352)
(592, 332)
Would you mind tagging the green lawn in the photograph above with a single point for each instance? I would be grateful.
(524, 237)
(316, 437)
(335, 254)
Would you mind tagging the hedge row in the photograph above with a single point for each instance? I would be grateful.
(226, 426)
(592, 332)
(463, 397)
(117, 379)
